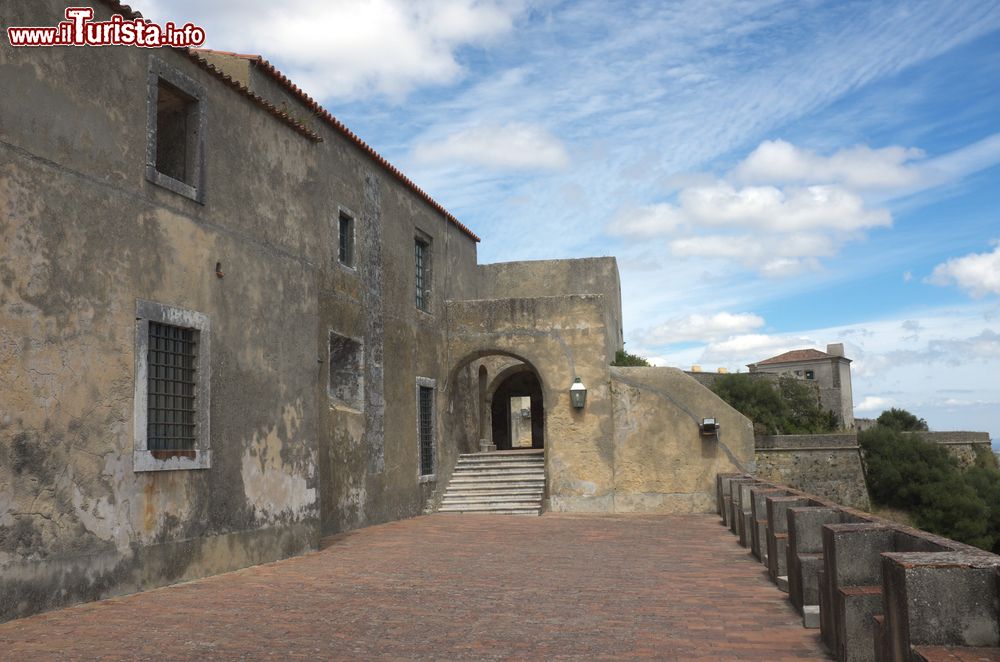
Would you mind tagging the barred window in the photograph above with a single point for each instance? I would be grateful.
(172, 388)
(345, 252)
(171, 374)
(420, 257)
(425, 407)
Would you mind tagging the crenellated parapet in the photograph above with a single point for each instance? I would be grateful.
(876, 589)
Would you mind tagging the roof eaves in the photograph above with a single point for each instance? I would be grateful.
(341, 128)
(129, 13)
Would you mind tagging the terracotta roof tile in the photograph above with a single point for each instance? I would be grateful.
(796, 355)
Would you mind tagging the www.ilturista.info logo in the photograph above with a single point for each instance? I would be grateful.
(79, 30)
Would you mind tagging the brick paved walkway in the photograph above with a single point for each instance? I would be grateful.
(457, 587)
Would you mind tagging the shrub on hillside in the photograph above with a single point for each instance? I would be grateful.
(909, 473)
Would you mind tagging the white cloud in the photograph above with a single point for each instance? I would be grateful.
(780, 210)
(651, 221)
(350, 48)
(777, 229)
(859, 167)
(872, 404)
(741, 350)
(514, 146)
(979, 273)
(700, 328)
(771, 255)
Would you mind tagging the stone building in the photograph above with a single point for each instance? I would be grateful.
(229, 327)
(830, 371)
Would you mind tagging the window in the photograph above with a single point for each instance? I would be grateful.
(170, 410)
(345, 250)
(347, 359)
(176, 131)
(810, 374)
(426, 432)
(421, 255)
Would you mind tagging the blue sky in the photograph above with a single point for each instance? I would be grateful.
(770, 175)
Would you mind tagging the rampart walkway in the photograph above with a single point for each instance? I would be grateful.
(450, 587)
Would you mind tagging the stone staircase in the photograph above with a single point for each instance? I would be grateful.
(501, 482)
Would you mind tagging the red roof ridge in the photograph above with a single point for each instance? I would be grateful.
(796, 355)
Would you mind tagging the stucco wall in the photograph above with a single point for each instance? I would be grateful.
(828, 465)
(541, 278)
(662, 463)
(85, 236)
(560, 338)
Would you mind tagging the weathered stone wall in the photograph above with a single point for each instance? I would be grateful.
(828, 465)
(963, 446)
(86, 235)
(560, 338)
(661, 462)
(542, 278)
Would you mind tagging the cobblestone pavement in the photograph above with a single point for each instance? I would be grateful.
(456, 587)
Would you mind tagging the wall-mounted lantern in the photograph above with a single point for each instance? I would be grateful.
(578, 394)
(709, 427)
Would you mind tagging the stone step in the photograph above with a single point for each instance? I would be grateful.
(501, 454)
(490, 510)
(466, 473)
(501, 483)
(478, 490)
(508, 481)
(504, 502)
(465, 464)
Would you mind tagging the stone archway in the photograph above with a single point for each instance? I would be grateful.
(516, 425)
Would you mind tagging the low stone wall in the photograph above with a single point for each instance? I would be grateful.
(876, 589)
(963, 446)
(661, 461)
(827, 465)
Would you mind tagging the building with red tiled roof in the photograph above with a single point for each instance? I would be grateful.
(830, 371)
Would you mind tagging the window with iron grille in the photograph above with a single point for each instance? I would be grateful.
(425, 407)
(171, 368)
(172, 387)
(421, 259)
(345, 252)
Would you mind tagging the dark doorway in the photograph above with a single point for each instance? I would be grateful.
(517, 408)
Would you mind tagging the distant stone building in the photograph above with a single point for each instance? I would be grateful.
(830, 371)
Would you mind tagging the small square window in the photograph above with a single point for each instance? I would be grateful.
(810, 374)
(345, 248)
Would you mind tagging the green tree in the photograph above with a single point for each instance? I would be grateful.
(804, 414)
(909, 473)
(900, 419)
(790, 407)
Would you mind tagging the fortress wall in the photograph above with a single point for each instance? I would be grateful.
(828, 465)
(963, 446)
